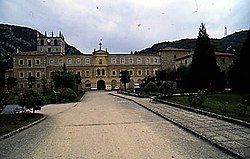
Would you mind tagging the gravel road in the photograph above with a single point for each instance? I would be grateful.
(103, 126)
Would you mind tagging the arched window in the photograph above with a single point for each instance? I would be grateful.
(55, 42)
(103, 72)
(42, 42)
(98, 72)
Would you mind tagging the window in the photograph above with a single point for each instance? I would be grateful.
(130, 73)
(37, 85)
(21, 62)
(174, 56)
(139, 72)
(186, 61)
(131, 60)
(69, 61)
(49, 49)
(122, 60)
(60, 61)
(21, 85)
(51, 62)
(87, 73)
(98, 72)
(100, 61)
(113, 73)
(87, 61)
(55, 42)
(21, 75)
(51, 73)
(103, 72)
(156, 60)
(147, 72)
(139, 61)
(29, 63)
(42, 42)
(78, 61)
(38, 61)
(29, 74)
(78, 72)
(38, 74)
(155, 71)
(147, 61)
(113, 60)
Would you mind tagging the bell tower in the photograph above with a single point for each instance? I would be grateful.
(51, 44)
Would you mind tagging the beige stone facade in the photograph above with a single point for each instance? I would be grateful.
(99, 68)
(96, 69)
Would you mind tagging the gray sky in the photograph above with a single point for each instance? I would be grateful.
(125, 25)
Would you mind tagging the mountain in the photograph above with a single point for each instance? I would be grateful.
(24, 38)
(231, 44)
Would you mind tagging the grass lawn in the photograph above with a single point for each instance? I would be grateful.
(213, 102)
(10, 122)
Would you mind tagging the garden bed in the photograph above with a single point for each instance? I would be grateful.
(224, 104)
(11, 122)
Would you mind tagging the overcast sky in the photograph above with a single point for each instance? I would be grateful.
(126, 25)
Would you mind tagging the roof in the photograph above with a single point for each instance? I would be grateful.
(183, 57)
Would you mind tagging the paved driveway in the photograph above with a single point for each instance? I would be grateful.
(103, 126)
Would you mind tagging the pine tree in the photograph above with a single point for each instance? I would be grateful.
(124, 78)
(204, 71)
(239, 75)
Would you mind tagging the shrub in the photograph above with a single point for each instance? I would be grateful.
(242, 107)
(166, 88)
(151, 87)
(68, 95)
(31, 99)
(196, 100)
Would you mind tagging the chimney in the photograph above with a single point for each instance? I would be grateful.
(17, 50)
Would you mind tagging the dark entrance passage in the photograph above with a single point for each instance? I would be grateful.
(100, 85)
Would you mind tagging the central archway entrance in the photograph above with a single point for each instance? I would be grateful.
(100, 85)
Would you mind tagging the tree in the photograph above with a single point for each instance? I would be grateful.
(204, 71)
(78, 81)
(31, 81)
(31, 100)
(166, 88)
(182, 77)
(124, 78)
(44, 84)
(239, 75)
(11, 82)
(64, 79)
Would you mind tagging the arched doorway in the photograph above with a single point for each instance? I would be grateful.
(100, 85)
